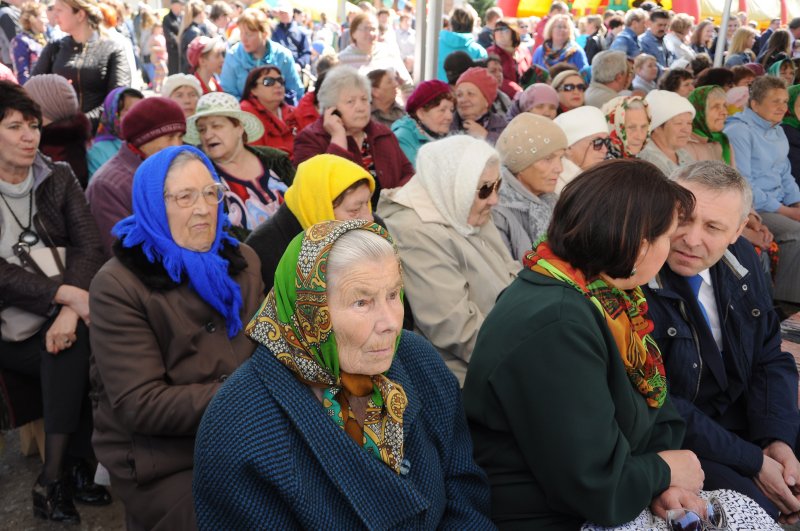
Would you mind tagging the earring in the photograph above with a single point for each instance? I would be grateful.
(633, 272)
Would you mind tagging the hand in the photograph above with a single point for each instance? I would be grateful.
(783, 454)
(61, 334)
(678, 498)
(334, 126)
(75, 298)
(770, 480)
(755, 237)
(476, 130)
(685, 469)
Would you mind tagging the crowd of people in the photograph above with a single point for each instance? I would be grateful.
(262, 277)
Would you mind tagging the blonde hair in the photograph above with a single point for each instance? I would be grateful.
(681, 23)
(29, 11)
(190, 10)
(255, 20)
(597, 21)
(548, 28)
(641, 59)
(740, 38)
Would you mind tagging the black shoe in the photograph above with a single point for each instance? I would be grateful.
(84, 489)
(53, 502)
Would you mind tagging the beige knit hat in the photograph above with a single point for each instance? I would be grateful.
(54, 94)
(529, 138)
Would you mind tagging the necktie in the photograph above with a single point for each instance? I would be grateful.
(695, 282)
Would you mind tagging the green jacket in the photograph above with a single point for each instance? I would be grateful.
(556, 423)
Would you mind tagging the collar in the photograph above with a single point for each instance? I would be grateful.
(728, 262)
(753, 117)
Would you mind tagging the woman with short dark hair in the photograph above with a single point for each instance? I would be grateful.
(263, 97)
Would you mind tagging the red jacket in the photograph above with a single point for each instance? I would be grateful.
(276, 133)
(513, 67)
(391, 165)
(304, 114)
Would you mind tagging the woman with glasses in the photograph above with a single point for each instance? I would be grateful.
(263, 96)
(454, 260)
(167, 315)
(515, 59)
(587, 141)
(571, 89)
(670, 131)
(559, 44)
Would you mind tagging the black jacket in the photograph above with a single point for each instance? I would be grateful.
(172, 25)
(793, 135)
(191, 33)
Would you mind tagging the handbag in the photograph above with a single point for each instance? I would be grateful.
(17, 324)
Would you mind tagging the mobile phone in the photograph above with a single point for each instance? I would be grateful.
(336, 113)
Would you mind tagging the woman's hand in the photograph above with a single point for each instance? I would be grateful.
(685, 469)
(678, 498)
(334, 126)
(476, 130)
(75, 298)
(61, 334)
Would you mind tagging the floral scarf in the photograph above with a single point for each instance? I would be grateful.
(615, 117)
(625, 313)
(791, 118)
(552, 57)
(294, 322)
(699, 98)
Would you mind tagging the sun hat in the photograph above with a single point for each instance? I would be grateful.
(222, 104)
(175, 81)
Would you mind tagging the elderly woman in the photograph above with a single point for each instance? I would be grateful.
(255, 177)
(205, 56)
(571, 89)
(454, 260)
(357, 411)
(538, 98)
(347, 129)
(629, 120)
(531, 148)
(183, 89)
(475, 91)
(535, 365)
(430, 113)
(167, 316)
(676, 41)
(559, 44)
(670, 130)
(44, 320)
(107, 141)
(263, 97)
(587, 140)
(385, 108)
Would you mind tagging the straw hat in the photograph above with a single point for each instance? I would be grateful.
(222, 104)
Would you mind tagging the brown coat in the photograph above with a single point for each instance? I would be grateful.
(160, 353)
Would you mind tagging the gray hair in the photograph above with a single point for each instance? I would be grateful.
(606, 66)
(337, 79)
(357, 247)
(718, 176)
(635, 15)
(762, 85)
(180, 160)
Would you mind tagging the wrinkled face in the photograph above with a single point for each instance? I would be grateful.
(481, 210)
(269, 97)
(365, 36)
(186, 97)
(548, 110)
(677, 131)
(213, 61)
(68, 20)
(574, 98)
(439, 118)
(701, 240)
(686, 87)
(495, 69)
(541, 177)
(353, 105)
(470, 102)
(252, 41)
(636, 127)
(219, 136)
(193, 227)
(638, 26)
(649, 70)
(366, 315)
(716, 113)
(164, 141)
(355, 205)
(386, 91)
(658, 27)
(19, 137)
(584, 154)
(774, 105)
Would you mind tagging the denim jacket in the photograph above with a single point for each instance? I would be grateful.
(627, 42)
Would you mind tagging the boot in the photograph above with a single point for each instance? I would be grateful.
(84, 489)
(53, 501)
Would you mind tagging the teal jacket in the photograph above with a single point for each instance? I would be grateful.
(450, 42)
(556, 423)
(410, 137)
(238, 63)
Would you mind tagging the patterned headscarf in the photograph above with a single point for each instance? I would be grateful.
(699, 98)
(625, 313)
(110, 121)
(207, 272)
(295, 324)
(791, 118)
(615, 116)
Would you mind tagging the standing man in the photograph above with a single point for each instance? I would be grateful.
(652, 41)
(628, 39)
(486, 36)
(293, 36)
(172, 25)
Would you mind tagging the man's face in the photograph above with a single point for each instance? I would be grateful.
(638, 26)
(658, 27)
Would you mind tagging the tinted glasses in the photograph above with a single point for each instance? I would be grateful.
(569, 87)
(598, 143)
(269, 81)
(685, 520)
(486, 190)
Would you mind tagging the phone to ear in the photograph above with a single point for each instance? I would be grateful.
(336, 113)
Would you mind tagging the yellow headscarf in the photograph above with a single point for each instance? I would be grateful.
(319, 181)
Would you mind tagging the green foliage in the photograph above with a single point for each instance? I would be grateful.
(482, 5)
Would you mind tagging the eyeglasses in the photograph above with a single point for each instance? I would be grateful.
(569, 87)
(501, 29)
(598, 143)
(212, 195)
(685, 520)
(269, 81)
(486, 190)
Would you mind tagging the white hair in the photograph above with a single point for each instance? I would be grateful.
(337, 79)
(357, 247)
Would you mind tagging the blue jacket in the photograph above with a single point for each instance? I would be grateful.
(578, 58)
(736, 403)
(295, 39)
(652, 46)
(628, 42)
(450, 42)
(761, 151)
(410, 137)
(268, 456)
(238, 64)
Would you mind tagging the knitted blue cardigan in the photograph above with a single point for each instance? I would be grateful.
(267, 456)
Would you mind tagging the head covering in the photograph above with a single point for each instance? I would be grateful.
(775, 68)
(222, 104)
(456, 64)
(529, 138)
(615, 110)
(450, 170)
(791, 118)
(176, 81)
(665, 105)
(425, 93)
(55, 96)
(198, 47)
(318, 181)
(207, 272)
(481, 78)
(536, 94)
(699, 98)
(736, 99)
(559, 79)
(294, 324)
(110, 123)
(151, 118)
(756, 68)
(582, 122)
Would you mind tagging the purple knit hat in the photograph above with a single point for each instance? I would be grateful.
(756, 68)
(425, 93)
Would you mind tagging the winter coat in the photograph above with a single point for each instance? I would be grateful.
(66, 141)
(312, 476)
(793, 136)
(304, 114)
(410, 137)
(277, 133)
(762, 156)
(160, 353)
(238, 63)
(295, 39)
(493, 123)
(450, 42)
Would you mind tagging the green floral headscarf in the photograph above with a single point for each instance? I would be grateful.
(699, 98)
(294, 323)
(791, 118)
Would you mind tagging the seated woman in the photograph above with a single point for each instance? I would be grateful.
(347, 129)
(584, 352)
(670, 131)
(43, 206)
(264, 91)
(587, 137)
(559, 44)
(107, 141)
(384, 105)
(430, 113)
(571, 89)
(475, 91)
(167, 315)
(184, 90)
(538, 98)
(454, 260)
(255, 177)
(629, 120)
(364, 423)
(531, 148)
(783, 69)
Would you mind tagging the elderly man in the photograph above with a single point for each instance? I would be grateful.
(611, 73)
(761, 151)
(721, 342)
(652, 41)
(628, 39)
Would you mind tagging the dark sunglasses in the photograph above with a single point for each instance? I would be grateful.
(685, 520)
(269, 81)
(486, 190)
(569, 87)
(598, 143)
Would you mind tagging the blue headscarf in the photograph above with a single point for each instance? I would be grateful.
(148, 227)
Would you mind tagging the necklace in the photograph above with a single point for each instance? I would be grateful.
(27, 236)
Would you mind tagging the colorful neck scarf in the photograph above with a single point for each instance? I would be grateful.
(552, 57)
(295, 324)
(699, 98)
(616, 119)
(791, 118)
(148, 226)
(625, 313)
